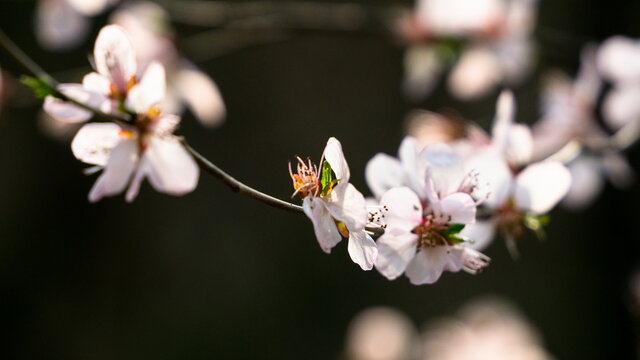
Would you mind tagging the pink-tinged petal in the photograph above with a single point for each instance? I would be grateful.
(67, 112)
(587, 182)
(505, 113)
(621, 106)
(150, 91)
(402, 209)
(123, 160)
(423, 67)
(169, 167)
(323, 224)
(58, 26)
(201, 94)
(347, 204)
(395, 251)
(618, 170)
(90, 7)
(96, 83)
(459, 207)
(334, 156)
(166, 124)
(493, 176)
(362, 249)
(114, 56)
(588, 83)
(445, 168)
(476, 73)
(515, 57)
(540, 186)
(427, 266)
(414, 164)
(519, 144)
(459, 17)
(94, 142)
(481, 233)
(618, 59)
(382, 173)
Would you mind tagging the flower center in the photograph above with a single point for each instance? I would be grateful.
(510, 220)
(431, 233)
(306, 180)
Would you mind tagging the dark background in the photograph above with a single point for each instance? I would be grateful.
(216, 275)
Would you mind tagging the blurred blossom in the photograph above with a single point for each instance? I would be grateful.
(487, 329)
(488, 41)
(150, 31)
(108, 88)
(63, 24)
(519, 192)
(380, 333)
(429, 128)
(569, 115)
(618, 60)
(334, 205)
(147, 148)
(424, 202)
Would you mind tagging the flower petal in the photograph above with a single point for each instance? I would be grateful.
(481, 233)
(323, 224)
(414, 164)
(169, 166)
(114, 56)
(115, 177)
(540, 186)
(150, 91)
(94, 142)
(402, 209)
(68, 112)
(58, 26)
(395, 251)
(89, 7)
(423, 66)
(334, 156)
(617, 59)
(201, 94)
(427, 266)
(445, 168)
(362, 249)
(382, 173)
(477, 72)
(96, 83)
(587, 182)
(494, 179)
(621, 106)
(459, 207)
(348, 205)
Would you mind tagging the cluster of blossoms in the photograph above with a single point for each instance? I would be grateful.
(451, 189)
(426, 201)
(485, 42)
(128, 152)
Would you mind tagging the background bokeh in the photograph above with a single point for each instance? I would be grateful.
(216, 275)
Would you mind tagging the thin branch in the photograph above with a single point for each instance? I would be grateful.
(35, 70)
(239, 187)
(204, 163)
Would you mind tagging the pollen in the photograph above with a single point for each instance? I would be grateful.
(126, 134)
(306, 180)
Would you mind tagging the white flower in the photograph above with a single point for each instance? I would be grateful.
(513, 192)
(147, 148)
(618, 61)
(417, 239)
(493, 45)
(150, 32)
(108, 88)
(62, 24)
(334, 205)
(384, 172)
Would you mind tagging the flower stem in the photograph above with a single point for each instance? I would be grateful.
(237, 186)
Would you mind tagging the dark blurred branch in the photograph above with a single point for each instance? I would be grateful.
(286, 15)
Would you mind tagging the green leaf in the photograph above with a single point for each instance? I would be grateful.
(40, 87)
(537, 224)
(326, 179)
(453, 229)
